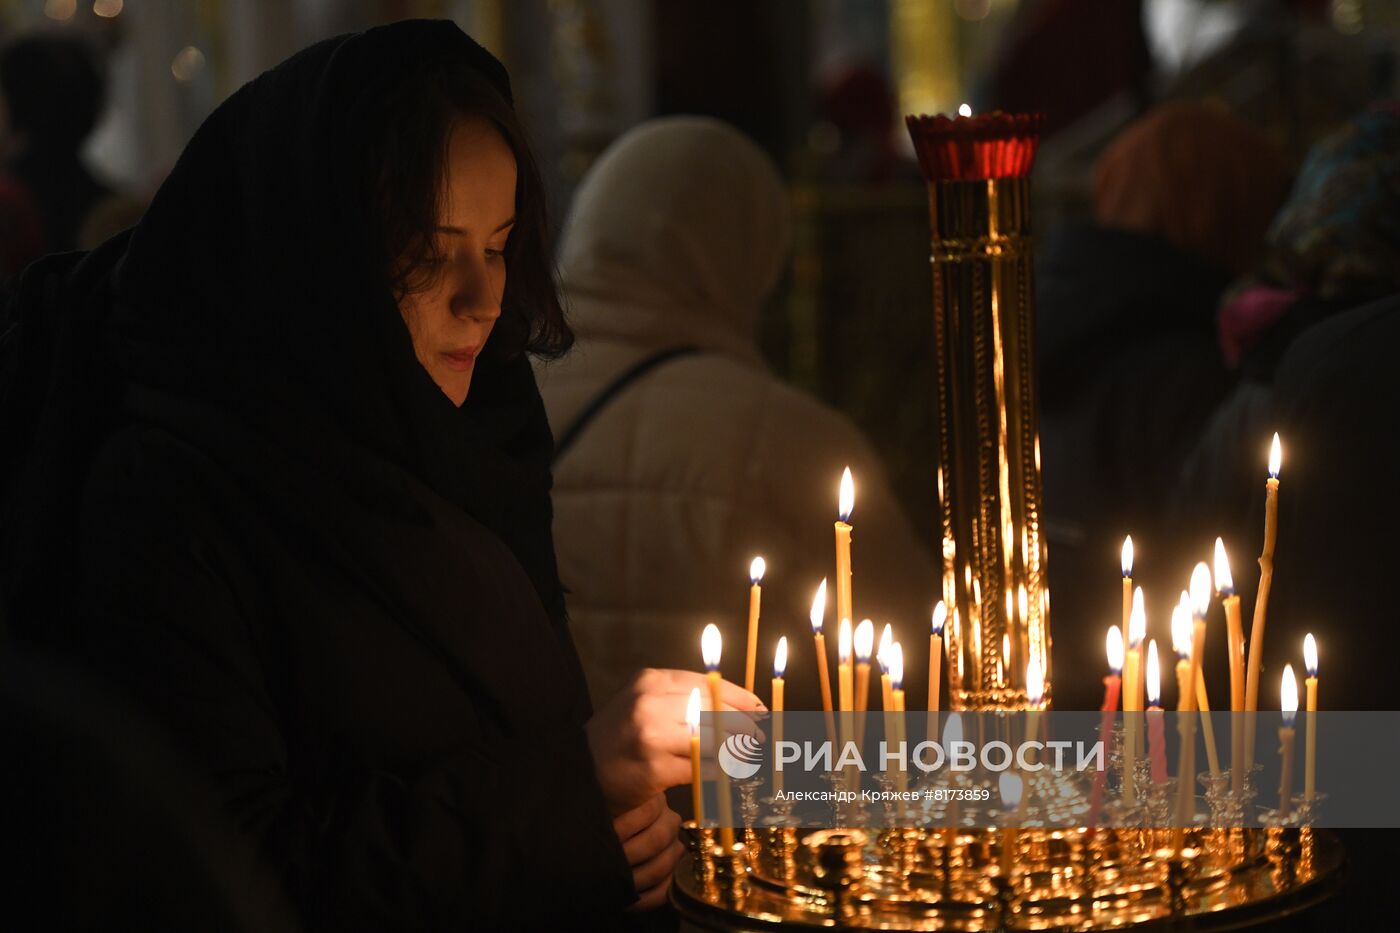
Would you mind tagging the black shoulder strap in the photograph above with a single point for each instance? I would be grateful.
(611, 391)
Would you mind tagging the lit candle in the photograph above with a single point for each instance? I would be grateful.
(1035, 697)
(864, 644)
(1225, 586)
(1132, 679)
(935, 665)
(1310, 753)
(1261, 602)
(1200, 605)
(1182, 638)
(1111, 686)
(779, 668)
(844, 685)
(882, 655)
(817, 617)
(845, 504)
(1288, 701)
(896, 659)
(710, 648)
(1010, 786)
(756, 569)
(1127, 565)
(1156, 744)
(697, 787)
(952, 733)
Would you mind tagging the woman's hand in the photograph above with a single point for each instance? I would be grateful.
(640, 740)
(649, 836)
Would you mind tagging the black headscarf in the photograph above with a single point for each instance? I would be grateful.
(250, 292)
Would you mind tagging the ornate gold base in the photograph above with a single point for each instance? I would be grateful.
(1075, 879)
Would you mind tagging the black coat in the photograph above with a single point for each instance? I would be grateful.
(240, 498)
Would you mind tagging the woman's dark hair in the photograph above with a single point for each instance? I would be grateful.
(403, 167)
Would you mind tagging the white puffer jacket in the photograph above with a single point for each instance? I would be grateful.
(676, 238)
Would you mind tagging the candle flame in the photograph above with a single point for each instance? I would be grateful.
(1275, 457)
(1114, 644)
(940, 616)
(964, 110)
(1181, 632)
(865, 640)
(1288, 695)
(818, 612)
(882, 654)
(1310, 654)
(1010, 786)
(843, 642)
(780, 658)
(1005, 650)
(710, 647)
(756, 570)
(1224, 582)
(1137, 620)
(846, 501)
(1200, 590)
(1127, 558)
(952, 730)
(1154, 675)
(692, 711)
(1021, 603)
(1035, 682)
(896, 666)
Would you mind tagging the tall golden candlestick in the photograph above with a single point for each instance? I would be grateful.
(1200, 605)
(1288, 701)
(1112, 686)
(697, 786)
(935, 667)
(710, 649)
(1132, 689)
(1310, 746)
(845, 504)
(1225, 586)
(756, 569)
(1182, 638)
(818, 616)
(896, 660)
(1261, 602)
(780, 657)
(845, 687)
(1156, 742)
(864, 644)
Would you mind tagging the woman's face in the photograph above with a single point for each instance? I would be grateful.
(451, 319)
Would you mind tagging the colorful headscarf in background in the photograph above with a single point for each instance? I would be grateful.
(1336, 241)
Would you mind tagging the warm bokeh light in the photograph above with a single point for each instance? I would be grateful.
(107, 9)
(1137, 620)
(1200, 590)
(1127, 556)
(1154, 675)
(1035, 683)
(780, 658)
(818, 612)
(896, 666)
(940, 616)
(1181, 631)
(1310, 654)
(756, 569)
(846, 501)
(1114, 646)
(964, 110)
(1224, 582)
(710, 647)
(692, 711)
(1275, 457)
(865, 640)
(882, 653)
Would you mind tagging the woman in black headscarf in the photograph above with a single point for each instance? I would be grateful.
(312, 520)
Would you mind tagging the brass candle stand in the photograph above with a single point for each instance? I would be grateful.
(932, 867)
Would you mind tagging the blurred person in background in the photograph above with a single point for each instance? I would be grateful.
(51, 95)
(1130, 370)
(681, 456)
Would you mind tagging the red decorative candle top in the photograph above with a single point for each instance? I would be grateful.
(991, 145)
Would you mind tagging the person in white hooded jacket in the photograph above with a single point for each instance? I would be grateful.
(680, 456)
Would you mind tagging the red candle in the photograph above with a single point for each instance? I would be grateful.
(1111, 685)
(1156, 744)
